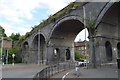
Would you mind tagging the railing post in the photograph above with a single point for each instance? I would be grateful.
(64, 67)
(49, 71)
(52, 69)
(58, 67)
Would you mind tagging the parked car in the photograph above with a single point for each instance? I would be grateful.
(83, 63)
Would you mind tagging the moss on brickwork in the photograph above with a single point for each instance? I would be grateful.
(52, 18)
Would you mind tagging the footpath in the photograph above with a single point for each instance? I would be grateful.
(21, 70)
(102, 73)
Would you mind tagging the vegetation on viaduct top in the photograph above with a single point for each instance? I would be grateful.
(51, 19)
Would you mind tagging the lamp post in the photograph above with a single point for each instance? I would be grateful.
(13, 56)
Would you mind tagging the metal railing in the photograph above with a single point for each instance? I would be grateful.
(54, 69)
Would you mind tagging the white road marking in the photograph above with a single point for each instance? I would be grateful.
(65, 75)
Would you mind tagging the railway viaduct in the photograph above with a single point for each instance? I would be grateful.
(54, 42)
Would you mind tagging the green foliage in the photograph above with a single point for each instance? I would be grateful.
(2, 32)
(90, 24)
(21, 38)
(17, 51)
(52, 18)
(27, 34)
(7, 38)
(15, 37)
(79, 56)
(12, 51)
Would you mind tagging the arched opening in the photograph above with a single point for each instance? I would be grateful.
(108, 51)
(56, 54)
(118, 50)
(68, 55)
(38, 49)
(108, 29)
(63, 37)
(26, 52)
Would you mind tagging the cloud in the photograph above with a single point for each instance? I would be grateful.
(17, 9)
(10, 29)
(81, 36)
(16, 13)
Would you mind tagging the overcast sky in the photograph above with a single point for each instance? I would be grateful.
(18, 16)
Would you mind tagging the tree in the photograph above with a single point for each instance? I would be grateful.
(79, 56)
(17, 51)
(21, 38)
(2, 32)
(15, 37)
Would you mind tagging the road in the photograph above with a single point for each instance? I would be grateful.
(21, 71)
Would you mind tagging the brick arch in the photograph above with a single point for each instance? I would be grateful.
(38, 49)
(65, 18)
(25, 43)
(39, 33)
(103, 12)
(63, 34)
(25, 52)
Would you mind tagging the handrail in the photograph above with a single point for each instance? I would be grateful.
(54, 69)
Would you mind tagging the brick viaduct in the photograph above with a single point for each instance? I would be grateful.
(55, 42)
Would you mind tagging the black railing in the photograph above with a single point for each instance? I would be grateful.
(54, 69)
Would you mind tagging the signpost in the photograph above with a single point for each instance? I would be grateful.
(13, 56)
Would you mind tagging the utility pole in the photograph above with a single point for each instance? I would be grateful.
(85, 48)
(1, 47)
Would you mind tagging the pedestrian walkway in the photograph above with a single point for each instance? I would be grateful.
(103, 73)
(18, 66)
(21, 70)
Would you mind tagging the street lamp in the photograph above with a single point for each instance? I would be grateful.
(13, 56)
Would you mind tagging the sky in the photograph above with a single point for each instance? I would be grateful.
(19, 16)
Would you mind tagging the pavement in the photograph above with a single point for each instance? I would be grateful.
(21, 70)
(103, 73)
(29, 71)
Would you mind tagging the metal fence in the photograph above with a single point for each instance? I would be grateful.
(53, 69)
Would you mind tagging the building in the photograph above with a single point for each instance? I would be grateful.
(4, 45)
(81, 46)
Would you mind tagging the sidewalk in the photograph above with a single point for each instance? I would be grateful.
(21, 70)
(90, 73)
(19, 66)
